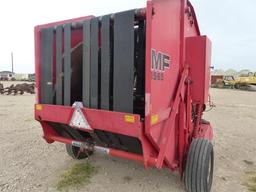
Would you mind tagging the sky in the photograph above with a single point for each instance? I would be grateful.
(230, 24)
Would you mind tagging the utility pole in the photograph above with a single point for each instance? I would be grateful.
(12, 61)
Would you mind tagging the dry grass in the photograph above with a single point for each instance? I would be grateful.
(75, 176)
(250, 181)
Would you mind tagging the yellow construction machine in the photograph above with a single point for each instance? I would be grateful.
(227, 81)
(245, 81)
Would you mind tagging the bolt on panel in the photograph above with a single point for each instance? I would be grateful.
(105, 62)
(123, 61)
(67, 63)
(59, 70)
(86, 62)
(46, 81)
(94, 68)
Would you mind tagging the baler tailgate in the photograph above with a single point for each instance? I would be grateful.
(115, 122)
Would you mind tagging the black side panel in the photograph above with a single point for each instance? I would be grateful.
(67, 63)
(123, 61)
(46, 81)
(106, 139)
(131, 144)
(68, 132)
(94, 80)
(105, 62)
(118, 141)
(59, 70)
(86, 62)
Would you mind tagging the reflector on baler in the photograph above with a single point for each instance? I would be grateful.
(137, 81)
(78, 119)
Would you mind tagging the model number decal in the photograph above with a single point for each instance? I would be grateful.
(159, 63)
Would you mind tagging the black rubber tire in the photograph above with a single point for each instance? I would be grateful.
(237, 86)
(199, 166)
(73, 152)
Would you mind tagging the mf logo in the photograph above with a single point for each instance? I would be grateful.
(159, 63)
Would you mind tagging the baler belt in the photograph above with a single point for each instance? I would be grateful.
(46, 80)
(67, 63)
(123, 61)
(86, 62)
(105, 62)
(59, 70)
(94, 81)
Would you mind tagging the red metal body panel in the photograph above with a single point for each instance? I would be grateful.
(168, 36)
(177, 61)
(163, 37)
(97, 119)
(205, 132)
(199, 59)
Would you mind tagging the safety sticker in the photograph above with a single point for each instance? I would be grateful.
(39, 107)
(129, 118)
(154, 119)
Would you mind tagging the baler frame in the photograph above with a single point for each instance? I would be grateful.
(165, 132)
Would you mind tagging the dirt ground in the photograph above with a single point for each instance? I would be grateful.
(28, 163)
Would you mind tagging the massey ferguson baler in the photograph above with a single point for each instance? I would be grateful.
(132, 84)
